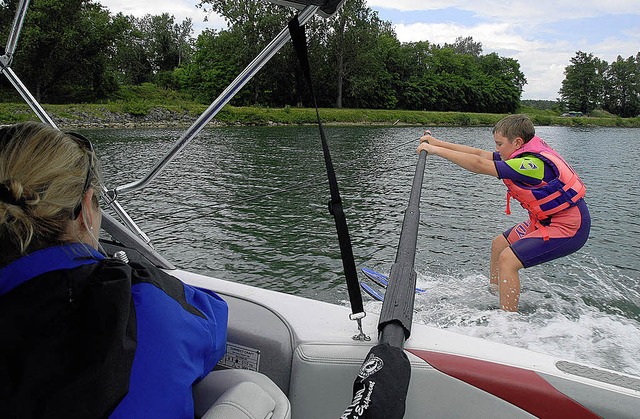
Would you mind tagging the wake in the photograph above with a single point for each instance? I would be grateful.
(586, 314)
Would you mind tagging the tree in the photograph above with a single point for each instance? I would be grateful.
(507, 82)
(583, 86)
(356, 42)
(356, 59)
(182, 36)
(161, 41)
(151, 48)
(253, 23)
(414, 80)
(622, 87)
(466, 46)
(130, 62)
(63, 51)
(440, 78)
(213, 65)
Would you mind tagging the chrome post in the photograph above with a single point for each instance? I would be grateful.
(18, 21)
(26, 95)
(267, 53)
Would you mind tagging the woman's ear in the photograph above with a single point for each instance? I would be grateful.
(86, 215)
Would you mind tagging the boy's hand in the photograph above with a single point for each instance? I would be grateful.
(426, 143)
(425, 146)
(426, 137)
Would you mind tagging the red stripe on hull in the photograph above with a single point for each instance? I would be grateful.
(523, 388)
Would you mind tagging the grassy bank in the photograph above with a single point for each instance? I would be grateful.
(183, 113)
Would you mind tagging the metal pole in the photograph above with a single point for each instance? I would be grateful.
(243, 78)
(15, 29)
(26, 95)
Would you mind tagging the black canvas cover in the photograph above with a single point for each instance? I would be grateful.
(380, 389)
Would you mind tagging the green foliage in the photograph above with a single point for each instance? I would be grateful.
(541, 120)
(150, 48)
(212, 68)
(622, 87)
(11, 113)
(358, 62)
(253, 23)
(540, 104)
(601, 113)
(138, 108)
(121, 112)
(583, 84)
(463, 119)
(62, 53)
(356, 59)
(592, 83)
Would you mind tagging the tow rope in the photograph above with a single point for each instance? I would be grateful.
(298, 37)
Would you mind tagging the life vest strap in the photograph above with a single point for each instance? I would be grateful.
(548, 198)
(539, 226)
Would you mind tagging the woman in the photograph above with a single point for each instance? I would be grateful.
(84, 335)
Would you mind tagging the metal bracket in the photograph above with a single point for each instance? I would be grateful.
(358, 318)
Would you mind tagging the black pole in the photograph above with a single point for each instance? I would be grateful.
(397, 309)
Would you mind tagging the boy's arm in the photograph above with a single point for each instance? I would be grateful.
(472, 162)
(457, 147)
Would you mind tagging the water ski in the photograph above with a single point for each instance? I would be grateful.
(382, 279)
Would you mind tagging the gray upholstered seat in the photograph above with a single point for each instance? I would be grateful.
(240, 394)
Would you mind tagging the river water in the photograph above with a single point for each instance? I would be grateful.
(249, 204)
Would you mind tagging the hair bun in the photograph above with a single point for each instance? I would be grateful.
(7, 196)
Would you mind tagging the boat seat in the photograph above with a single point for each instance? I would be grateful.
(239, 394)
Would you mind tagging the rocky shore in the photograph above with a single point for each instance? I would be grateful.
(155, 118)
(145, 115)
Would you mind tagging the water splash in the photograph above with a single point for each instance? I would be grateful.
(586, 321)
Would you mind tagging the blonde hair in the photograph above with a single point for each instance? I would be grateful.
(514, 126)
(42, 175)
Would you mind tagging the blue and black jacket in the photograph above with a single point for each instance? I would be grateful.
(86, 336)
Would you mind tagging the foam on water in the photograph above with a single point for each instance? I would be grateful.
(554, 318)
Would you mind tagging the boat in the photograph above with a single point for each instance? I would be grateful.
(312, 350)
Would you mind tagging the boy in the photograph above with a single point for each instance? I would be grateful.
(544, 184)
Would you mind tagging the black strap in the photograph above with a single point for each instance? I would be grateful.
(335, 205)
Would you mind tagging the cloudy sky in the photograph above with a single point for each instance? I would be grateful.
(543, 35)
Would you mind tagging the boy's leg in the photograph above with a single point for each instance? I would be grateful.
(498, 244)
(509, 280)
(567, 232)
(505, 265)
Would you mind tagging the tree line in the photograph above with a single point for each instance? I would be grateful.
(592, 83)
(75, 51)
(78, 51)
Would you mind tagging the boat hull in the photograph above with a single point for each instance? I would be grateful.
(307, 348)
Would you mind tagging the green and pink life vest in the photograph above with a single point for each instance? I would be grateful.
(545, 199)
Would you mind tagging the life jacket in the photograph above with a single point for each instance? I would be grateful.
(546, 199)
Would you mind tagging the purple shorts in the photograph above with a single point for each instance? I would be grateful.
(568, 231)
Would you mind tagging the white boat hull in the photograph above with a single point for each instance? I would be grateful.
(307, 348)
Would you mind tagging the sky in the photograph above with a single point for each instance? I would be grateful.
(542, 36)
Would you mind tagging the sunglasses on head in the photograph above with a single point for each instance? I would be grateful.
(88, 147)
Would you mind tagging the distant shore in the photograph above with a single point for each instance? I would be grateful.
(127, 115)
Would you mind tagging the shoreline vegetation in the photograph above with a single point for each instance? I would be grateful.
(183, 114)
